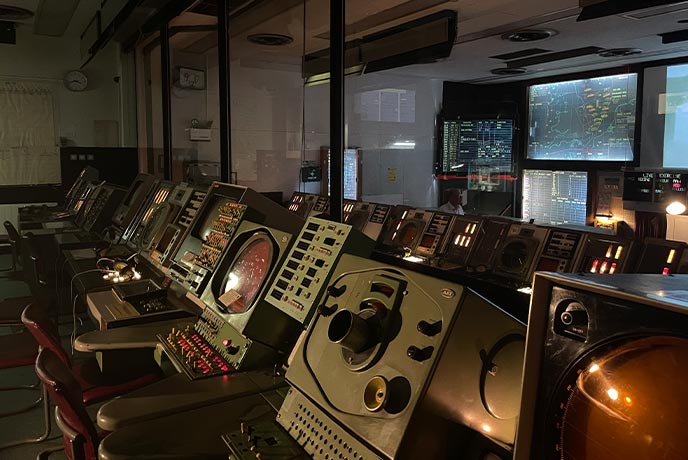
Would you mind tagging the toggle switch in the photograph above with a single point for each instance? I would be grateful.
(430, 329)
(335, 291)
(419, 354)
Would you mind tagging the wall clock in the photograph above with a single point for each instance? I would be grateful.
(75, 80)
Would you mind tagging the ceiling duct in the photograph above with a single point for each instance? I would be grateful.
(423, 40)
(614, 7)
(53, 17)
(14, 13)
(674, 37)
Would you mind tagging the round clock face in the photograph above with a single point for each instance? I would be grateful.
(76, 80)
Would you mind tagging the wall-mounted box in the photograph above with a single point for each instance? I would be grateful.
(200, 134)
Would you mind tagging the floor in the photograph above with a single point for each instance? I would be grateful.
(29, 424)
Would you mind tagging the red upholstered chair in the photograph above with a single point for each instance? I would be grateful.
(95, 385)
(79, 434)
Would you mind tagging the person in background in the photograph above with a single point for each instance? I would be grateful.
(453, 204)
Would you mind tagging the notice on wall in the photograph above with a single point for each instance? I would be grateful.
(29, 136)
(392, 175)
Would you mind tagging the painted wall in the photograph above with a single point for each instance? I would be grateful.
(37, 57)
(397, 157)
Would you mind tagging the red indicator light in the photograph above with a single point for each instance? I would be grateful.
(225, 342)
(665, 271)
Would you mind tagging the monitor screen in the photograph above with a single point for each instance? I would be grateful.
(475, 142)
(591, 120)
(674, 104)
(555, 197)
(133, 192)
(249, 270)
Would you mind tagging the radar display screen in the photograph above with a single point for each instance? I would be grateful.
(475, 142)
(590, 120)
(555, 197)
(247, 274)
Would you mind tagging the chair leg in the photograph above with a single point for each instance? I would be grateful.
(46, 420)
(26, 408)
(43, 455)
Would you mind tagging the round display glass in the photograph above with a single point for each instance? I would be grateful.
(628, 403)
(408, 233)
(247, 273)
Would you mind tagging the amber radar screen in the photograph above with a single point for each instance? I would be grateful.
(605, 368)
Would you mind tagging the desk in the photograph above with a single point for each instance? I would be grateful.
(130, 337)
(191, 435)
(178, 394)
(109, 312)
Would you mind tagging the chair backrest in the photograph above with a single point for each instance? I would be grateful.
(66, 393)
(12, 232)
(36, 320)
(38, 280)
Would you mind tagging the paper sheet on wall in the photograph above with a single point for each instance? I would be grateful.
(29, 140)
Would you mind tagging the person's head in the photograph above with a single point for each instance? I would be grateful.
(454, 196)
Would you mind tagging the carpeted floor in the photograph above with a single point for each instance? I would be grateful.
(29, 424)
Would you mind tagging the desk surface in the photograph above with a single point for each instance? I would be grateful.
(129, 337)
(190, 435)
(178, 395)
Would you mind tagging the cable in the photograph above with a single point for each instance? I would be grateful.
(73, 297)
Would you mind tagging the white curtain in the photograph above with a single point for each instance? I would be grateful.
(29, 133)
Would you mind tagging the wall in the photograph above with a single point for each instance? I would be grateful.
(45, 58)
(395, 174)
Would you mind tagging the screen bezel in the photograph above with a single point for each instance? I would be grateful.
(440, 140)
(636, 127)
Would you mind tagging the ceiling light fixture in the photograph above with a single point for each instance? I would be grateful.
(619, 52)
(506, 71)
(270, 39)
(528, 35)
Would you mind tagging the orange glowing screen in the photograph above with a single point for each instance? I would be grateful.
(631, 404)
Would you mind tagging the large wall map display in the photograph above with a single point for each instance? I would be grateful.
(592, 120)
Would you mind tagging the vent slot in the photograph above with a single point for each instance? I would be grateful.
(520, 54)
(553, 57)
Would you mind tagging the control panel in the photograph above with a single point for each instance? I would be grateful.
(462, 238)
(605, 254)
(403, 231)
(167, 243)
(368, 218)
(157, 198)
(105, 201)
(433, 238)
(301, 280)
(211, 347)
(660, 256)
(308, 204)
(385, 339)
(493, 232)
(560, 251)
(189, 213)
(520, 249)
(193, 270)
(268, 441)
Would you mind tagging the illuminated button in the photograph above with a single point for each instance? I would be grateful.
(595, 263)
(665, 271)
